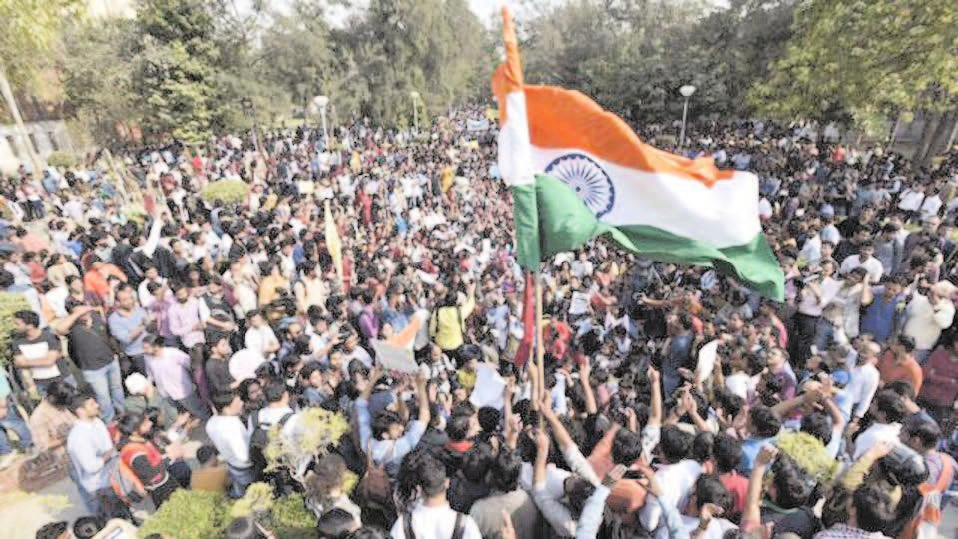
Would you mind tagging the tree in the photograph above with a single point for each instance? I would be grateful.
(632, 56)
(433, 47)
(30, 27)
(174, 66)
(95, 69)
(875, 59)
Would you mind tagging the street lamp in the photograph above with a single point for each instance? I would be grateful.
(686, 92)
(320, 102)
(415, 110)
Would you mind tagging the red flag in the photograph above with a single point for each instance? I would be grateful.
(526, 345)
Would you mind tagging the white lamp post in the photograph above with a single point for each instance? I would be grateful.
(321, 101)
(415, 108)
(686, 92)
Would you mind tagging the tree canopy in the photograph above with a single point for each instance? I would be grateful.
(183, 68)
(873, 59)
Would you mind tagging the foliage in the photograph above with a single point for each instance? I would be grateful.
(291, 519)
(30, 28)
(226, 191)
(808, 453)
(258, 500)
(632, 56)
(874, 59)
(316, 431)
(10, 303)
(189, 514)
(62, 159)
(399, 46)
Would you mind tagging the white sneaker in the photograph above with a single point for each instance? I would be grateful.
(7, 460)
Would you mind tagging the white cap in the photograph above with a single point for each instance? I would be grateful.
(136, 383)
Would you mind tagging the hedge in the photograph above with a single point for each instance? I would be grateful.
(226, 192)
(10, 303)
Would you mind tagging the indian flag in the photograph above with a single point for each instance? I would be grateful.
(578, 172)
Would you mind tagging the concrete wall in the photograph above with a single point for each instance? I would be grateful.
(45, 137)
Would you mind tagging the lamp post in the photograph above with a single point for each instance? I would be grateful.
(321, 101)
(686, 92)
(415, 108)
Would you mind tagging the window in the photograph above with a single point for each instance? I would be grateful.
(33, 142)
(53, 141)
(13, 145)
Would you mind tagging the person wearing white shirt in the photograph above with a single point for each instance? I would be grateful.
(431, 517)
(864, 260)
(927, 316)
(930, 207)
(862, 385)
(887, 411)
(151, 275)
(231, 439)
(764, 209)
(831, 234)
(912, 199)
(680, 475)
(812, 250)
(260, 337)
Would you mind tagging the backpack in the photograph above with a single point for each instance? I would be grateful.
(375, 487)
(124, 482)
(258, 440)
(925, 524)
(458, 531)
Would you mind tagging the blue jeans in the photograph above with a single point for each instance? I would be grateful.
(107, 383)
(13, 422)
(240, 478)
(195, 406)
(42, 385)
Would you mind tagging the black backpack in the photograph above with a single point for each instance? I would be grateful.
(457, 533)
(258, 440)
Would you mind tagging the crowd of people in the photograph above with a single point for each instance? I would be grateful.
(662, 408)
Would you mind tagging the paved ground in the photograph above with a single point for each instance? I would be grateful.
(21, 513)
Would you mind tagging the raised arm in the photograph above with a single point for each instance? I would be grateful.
(585, 371)
(655, 411)
(64, 325)
(753, 497)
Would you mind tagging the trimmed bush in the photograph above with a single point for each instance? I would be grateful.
(62, 160)
(10, 302)
(189, 514)
(291, 520)
(226, 192)
(318, 429)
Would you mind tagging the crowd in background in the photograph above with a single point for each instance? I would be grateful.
(663, 408)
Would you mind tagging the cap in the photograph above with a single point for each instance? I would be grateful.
(136, 383)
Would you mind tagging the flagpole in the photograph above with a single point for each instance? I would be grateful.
(540, 345)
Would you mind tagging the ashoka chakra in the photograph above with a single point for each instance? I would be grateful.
(587, 179)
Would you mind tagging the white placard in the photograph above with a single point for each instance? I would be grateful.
(708, 354)
(580, 303)
(489, 387)
(395, 358)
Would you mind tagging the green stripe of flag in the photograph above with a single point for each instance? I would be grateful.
(565, 224)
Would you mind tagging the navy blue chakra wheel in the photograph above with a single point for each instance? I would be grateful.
(587, 179)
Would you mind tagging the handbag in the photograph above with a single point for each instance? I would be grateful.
(43, 470)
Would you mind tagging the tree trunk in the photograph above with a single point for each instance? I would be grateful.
(920, 157)
(931, 137)
(15, 112)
